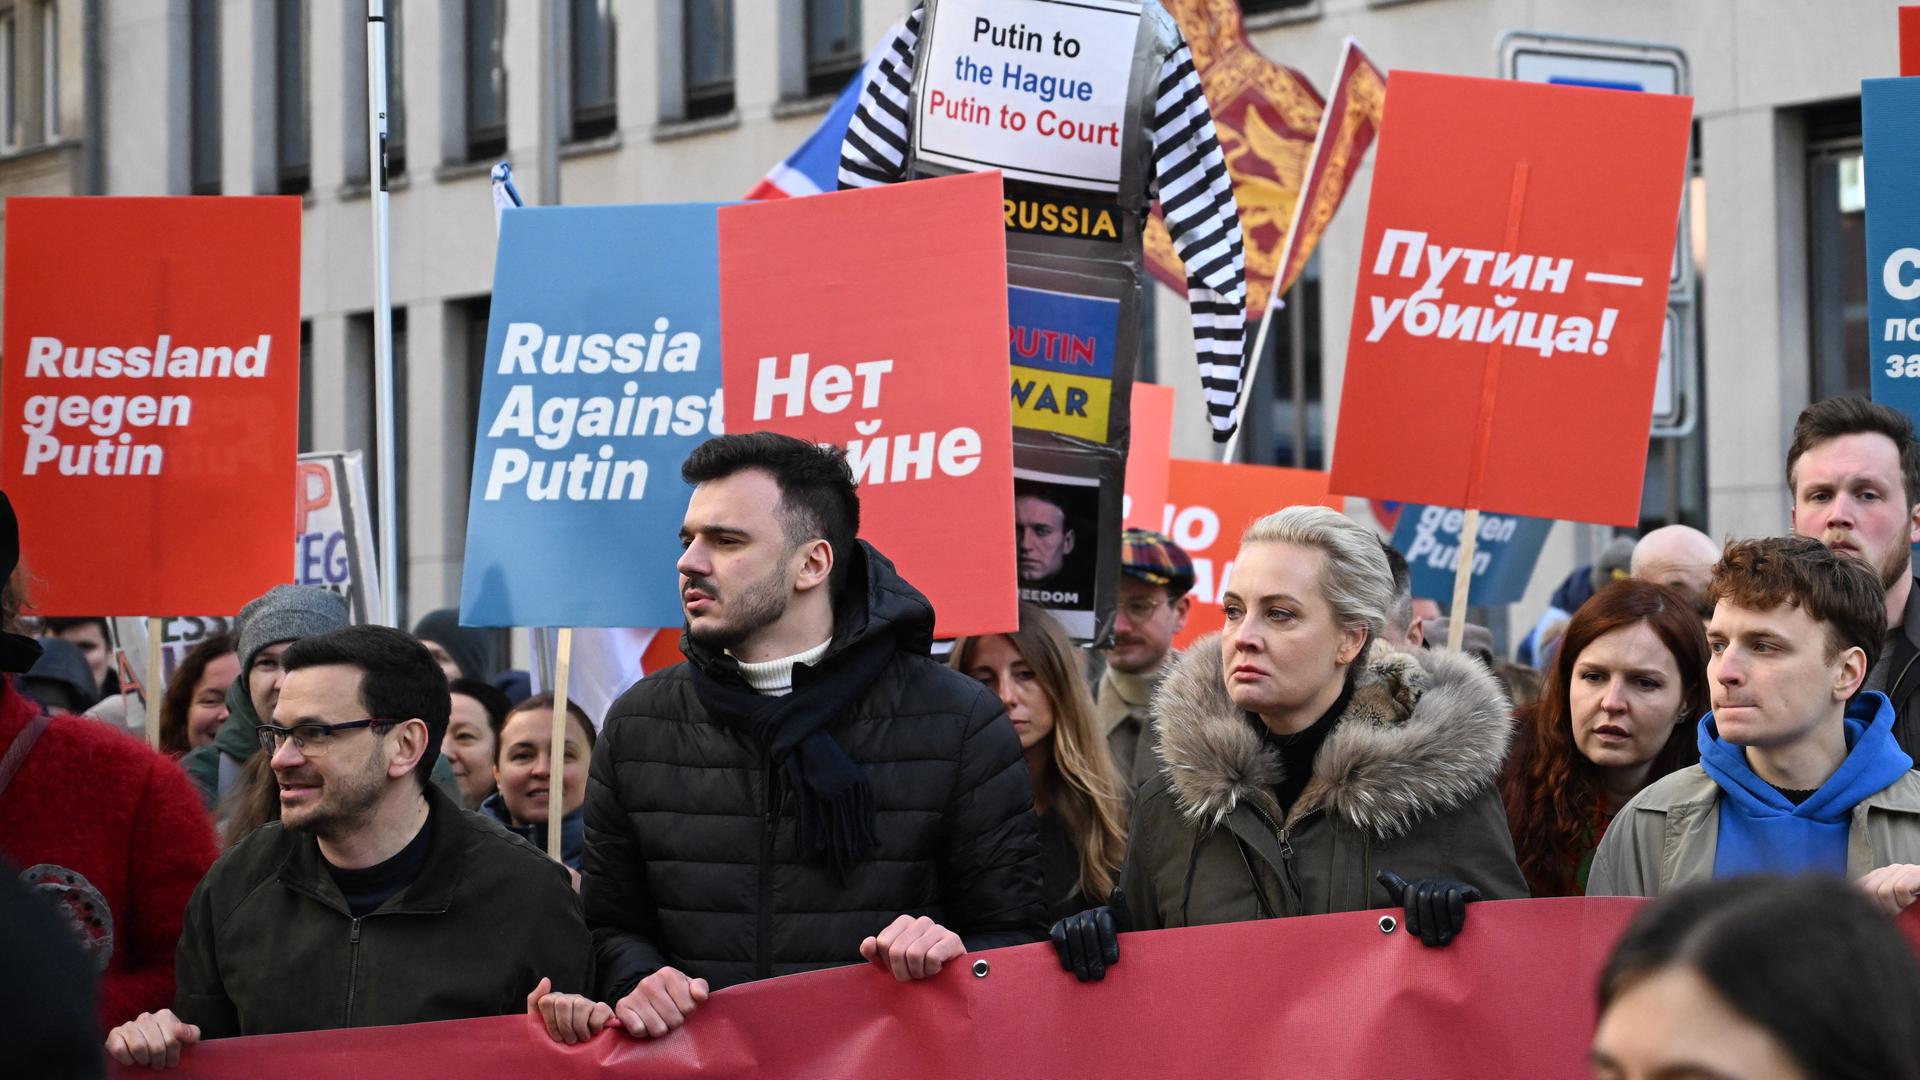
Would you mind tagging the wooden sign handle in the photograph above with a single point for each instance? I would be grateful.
(155, 666)
(1462, 580)
(557, 753)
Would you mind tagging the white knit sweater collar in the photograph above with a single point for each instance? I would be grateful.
(774, 678)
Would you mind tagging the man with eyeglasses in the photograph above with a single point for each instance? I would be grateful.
(1155, 576)
(360, 906)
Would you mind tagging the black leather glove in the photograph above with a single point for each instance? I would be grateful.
(1436, 908)
(1088, 942)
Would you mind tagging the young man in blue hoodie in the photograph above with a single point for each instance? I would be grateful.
(1792, 777)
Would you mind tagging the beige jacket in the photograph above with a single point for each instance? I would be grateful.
(1124, 707)
(1666, 837)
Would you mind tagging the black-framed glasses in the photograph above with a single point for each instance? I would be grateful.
(312, 739)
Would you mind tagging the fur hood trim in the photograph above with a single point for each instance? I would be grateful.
(1423, 734)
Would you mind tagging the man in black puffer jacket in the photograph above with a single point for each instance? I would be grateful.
(811, 787)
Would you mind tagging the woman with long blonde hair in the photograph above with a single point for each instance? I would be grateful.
(1077, 793)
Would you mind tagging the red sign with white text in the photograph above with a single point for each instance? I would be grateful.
(1511, 300)
(1149, 455)
(150, 396)
(899, 354)
(1209, 504)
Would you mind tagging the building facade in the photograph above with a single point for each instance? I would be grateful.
(598, 101)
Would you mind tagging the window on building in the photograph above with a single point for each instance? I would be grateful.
(49, 70)
(362, 397)
(707, 45)
(594, 86)
(304, 438)
(486, 79)
(472, 315)
(293, 150)
(203, 90)
(1286, 413)
(396, 89)
(1837, 251)
(833, 44)
(9, 98)
(469, 317)
(1261, 7)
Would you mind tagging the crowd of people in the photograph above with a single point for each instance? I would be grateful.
(1727, 726)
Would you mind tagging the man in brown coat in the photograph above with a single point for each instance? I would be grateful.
(1155, 578)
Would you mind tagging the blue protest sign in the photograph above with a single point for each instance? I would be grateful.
(1890, 123)
(1503, 557)
(1060, 331)
(603, 373)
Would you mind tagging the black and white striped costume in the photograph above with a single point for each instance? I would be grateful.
(1189, 178)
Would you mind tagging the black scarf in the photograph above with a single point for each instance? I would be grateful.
(836, 798)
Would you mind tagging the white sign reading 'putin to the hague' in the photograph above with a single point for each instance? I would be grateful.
(1034, 88)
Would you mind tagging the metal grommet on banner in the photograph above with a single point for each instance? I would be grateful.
(1388, 924)
(980, 969)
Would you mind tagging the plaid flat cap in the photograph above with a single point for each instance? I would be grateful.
(1155, 559)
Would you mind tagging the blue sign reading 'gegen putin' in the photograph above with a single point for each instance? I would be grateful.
(1505, 551)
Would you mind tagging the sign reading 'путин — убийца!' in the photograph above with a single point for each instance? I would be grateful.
(1034, 88)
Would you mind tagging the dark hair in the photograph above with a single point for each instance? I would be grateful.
(493, 700)
(543, 700)
(817, 496)
(1850, 415)
(1837, 590)
(62, 625)
(179, 696)
(1553, 794)
(399, 679)
(252, 801)
(1808, 958)
(1400, 611)
(1046, 493)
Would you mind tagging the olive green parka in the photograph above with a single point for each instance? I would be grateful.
(1404, 782)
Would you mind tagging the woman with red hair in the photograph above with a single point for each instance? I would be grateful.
(1616, 714)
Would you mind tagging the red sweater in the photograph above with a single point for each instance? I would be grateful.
(95, 805)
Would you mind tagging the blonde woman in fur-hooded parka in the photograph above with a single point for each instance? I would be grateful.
(1299, 757)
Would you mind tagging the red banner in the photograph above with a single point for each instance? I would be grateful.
(900, 356)
(1209, 504)
(1511, 298)
(1323, 996)
(151, 380)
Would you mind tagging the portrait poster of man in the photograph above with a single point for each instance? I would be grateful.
(1055, 522)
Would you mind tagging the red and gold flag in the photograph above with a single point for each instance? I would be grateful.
(1346, 131)
(1270, 123)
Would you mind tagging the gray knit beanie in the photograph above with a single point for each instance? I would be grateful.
(288, 613)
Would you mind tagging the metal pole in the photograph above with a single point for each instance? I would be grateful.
(382, 309)
(1232, 446)
(551, 30)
